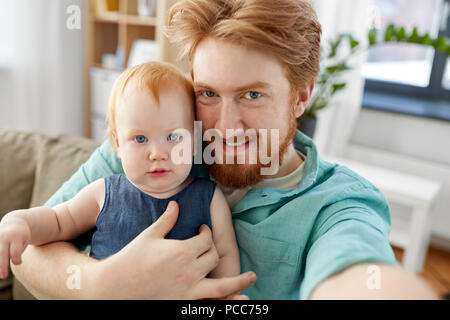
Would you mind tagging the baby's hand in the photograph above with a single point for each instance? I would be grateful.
(15, 235)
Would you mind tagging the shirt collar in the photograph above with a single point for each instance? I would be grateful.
(306, 145)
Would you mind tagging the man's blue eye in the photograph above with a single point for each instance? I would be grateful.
(173, 137)
(140, 139)
(252, 95)
(208, 94)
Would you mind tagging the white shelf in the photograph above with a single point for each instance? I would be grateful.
(399, 238)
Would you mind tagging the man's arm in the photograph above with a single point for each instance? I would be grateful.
(373, 281)
(149, 267)
(349, 255)
(45, 272)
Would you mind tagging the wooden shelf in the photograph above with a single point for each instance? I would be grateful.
(106, 18)
(137, 20)
(126, 19)
(99, 65)
(112, 32)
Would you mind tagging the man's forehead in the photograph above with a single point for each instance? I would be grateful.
(218, 63)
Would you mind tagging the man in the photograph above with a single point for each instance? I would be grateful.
(310, 230)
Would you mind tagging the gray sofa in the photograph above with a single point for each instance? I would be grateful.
(33, 165)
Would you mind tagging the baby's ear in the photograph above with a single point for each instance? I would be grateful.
(116, 145)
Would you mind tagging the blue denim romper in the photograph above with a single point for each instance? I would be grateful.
(127, 211)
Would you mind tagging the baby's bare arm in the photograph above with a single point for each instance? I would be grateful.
(42, 225)
(224, 238)
(66, 220)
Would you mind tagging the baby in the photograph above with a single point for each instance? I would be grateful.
(151, 114)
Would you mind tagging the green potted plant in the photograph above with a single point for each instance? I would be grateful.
(330, 81)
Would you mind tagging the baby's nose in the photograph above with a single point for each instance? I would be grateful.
(158, 152)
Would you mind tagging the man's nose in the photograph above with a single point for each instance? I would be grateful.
(229, 117)
(158, 151)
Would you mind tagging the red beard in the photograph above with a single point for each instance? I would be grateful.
(238, 176)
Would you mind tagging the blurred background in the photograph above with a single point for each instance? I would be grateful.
(389, 118)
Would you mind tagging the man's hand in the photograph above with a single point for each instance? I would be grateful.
(15, 235)
(151, 267)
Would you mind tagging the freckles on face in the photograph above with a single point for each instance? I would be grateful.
(250, 84)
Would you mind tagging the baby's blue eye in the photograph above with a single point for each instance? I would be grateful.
(173, 137)
(208, 94)
(252, 95)
(140, 139)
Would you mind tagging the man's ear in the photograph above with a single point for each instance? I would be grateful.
(302, 99)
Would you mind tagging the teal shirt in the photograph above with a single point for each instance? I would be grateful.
(293, 239)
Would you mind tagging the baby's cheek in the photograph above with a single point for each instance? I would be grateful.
(133, 165)
(182, 170)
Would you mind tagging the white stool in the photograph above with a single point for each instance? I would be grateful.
(414, 192)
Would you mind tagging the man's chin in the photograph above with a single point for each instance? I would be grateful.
(236, 176)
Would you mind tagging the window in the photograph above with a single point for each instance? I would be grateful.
(446, 79)
(409, 70)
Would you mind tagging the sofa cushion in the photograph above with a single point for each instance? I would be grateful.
(18, 151)
(60, 155)
(17, 169)
(33, 165)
